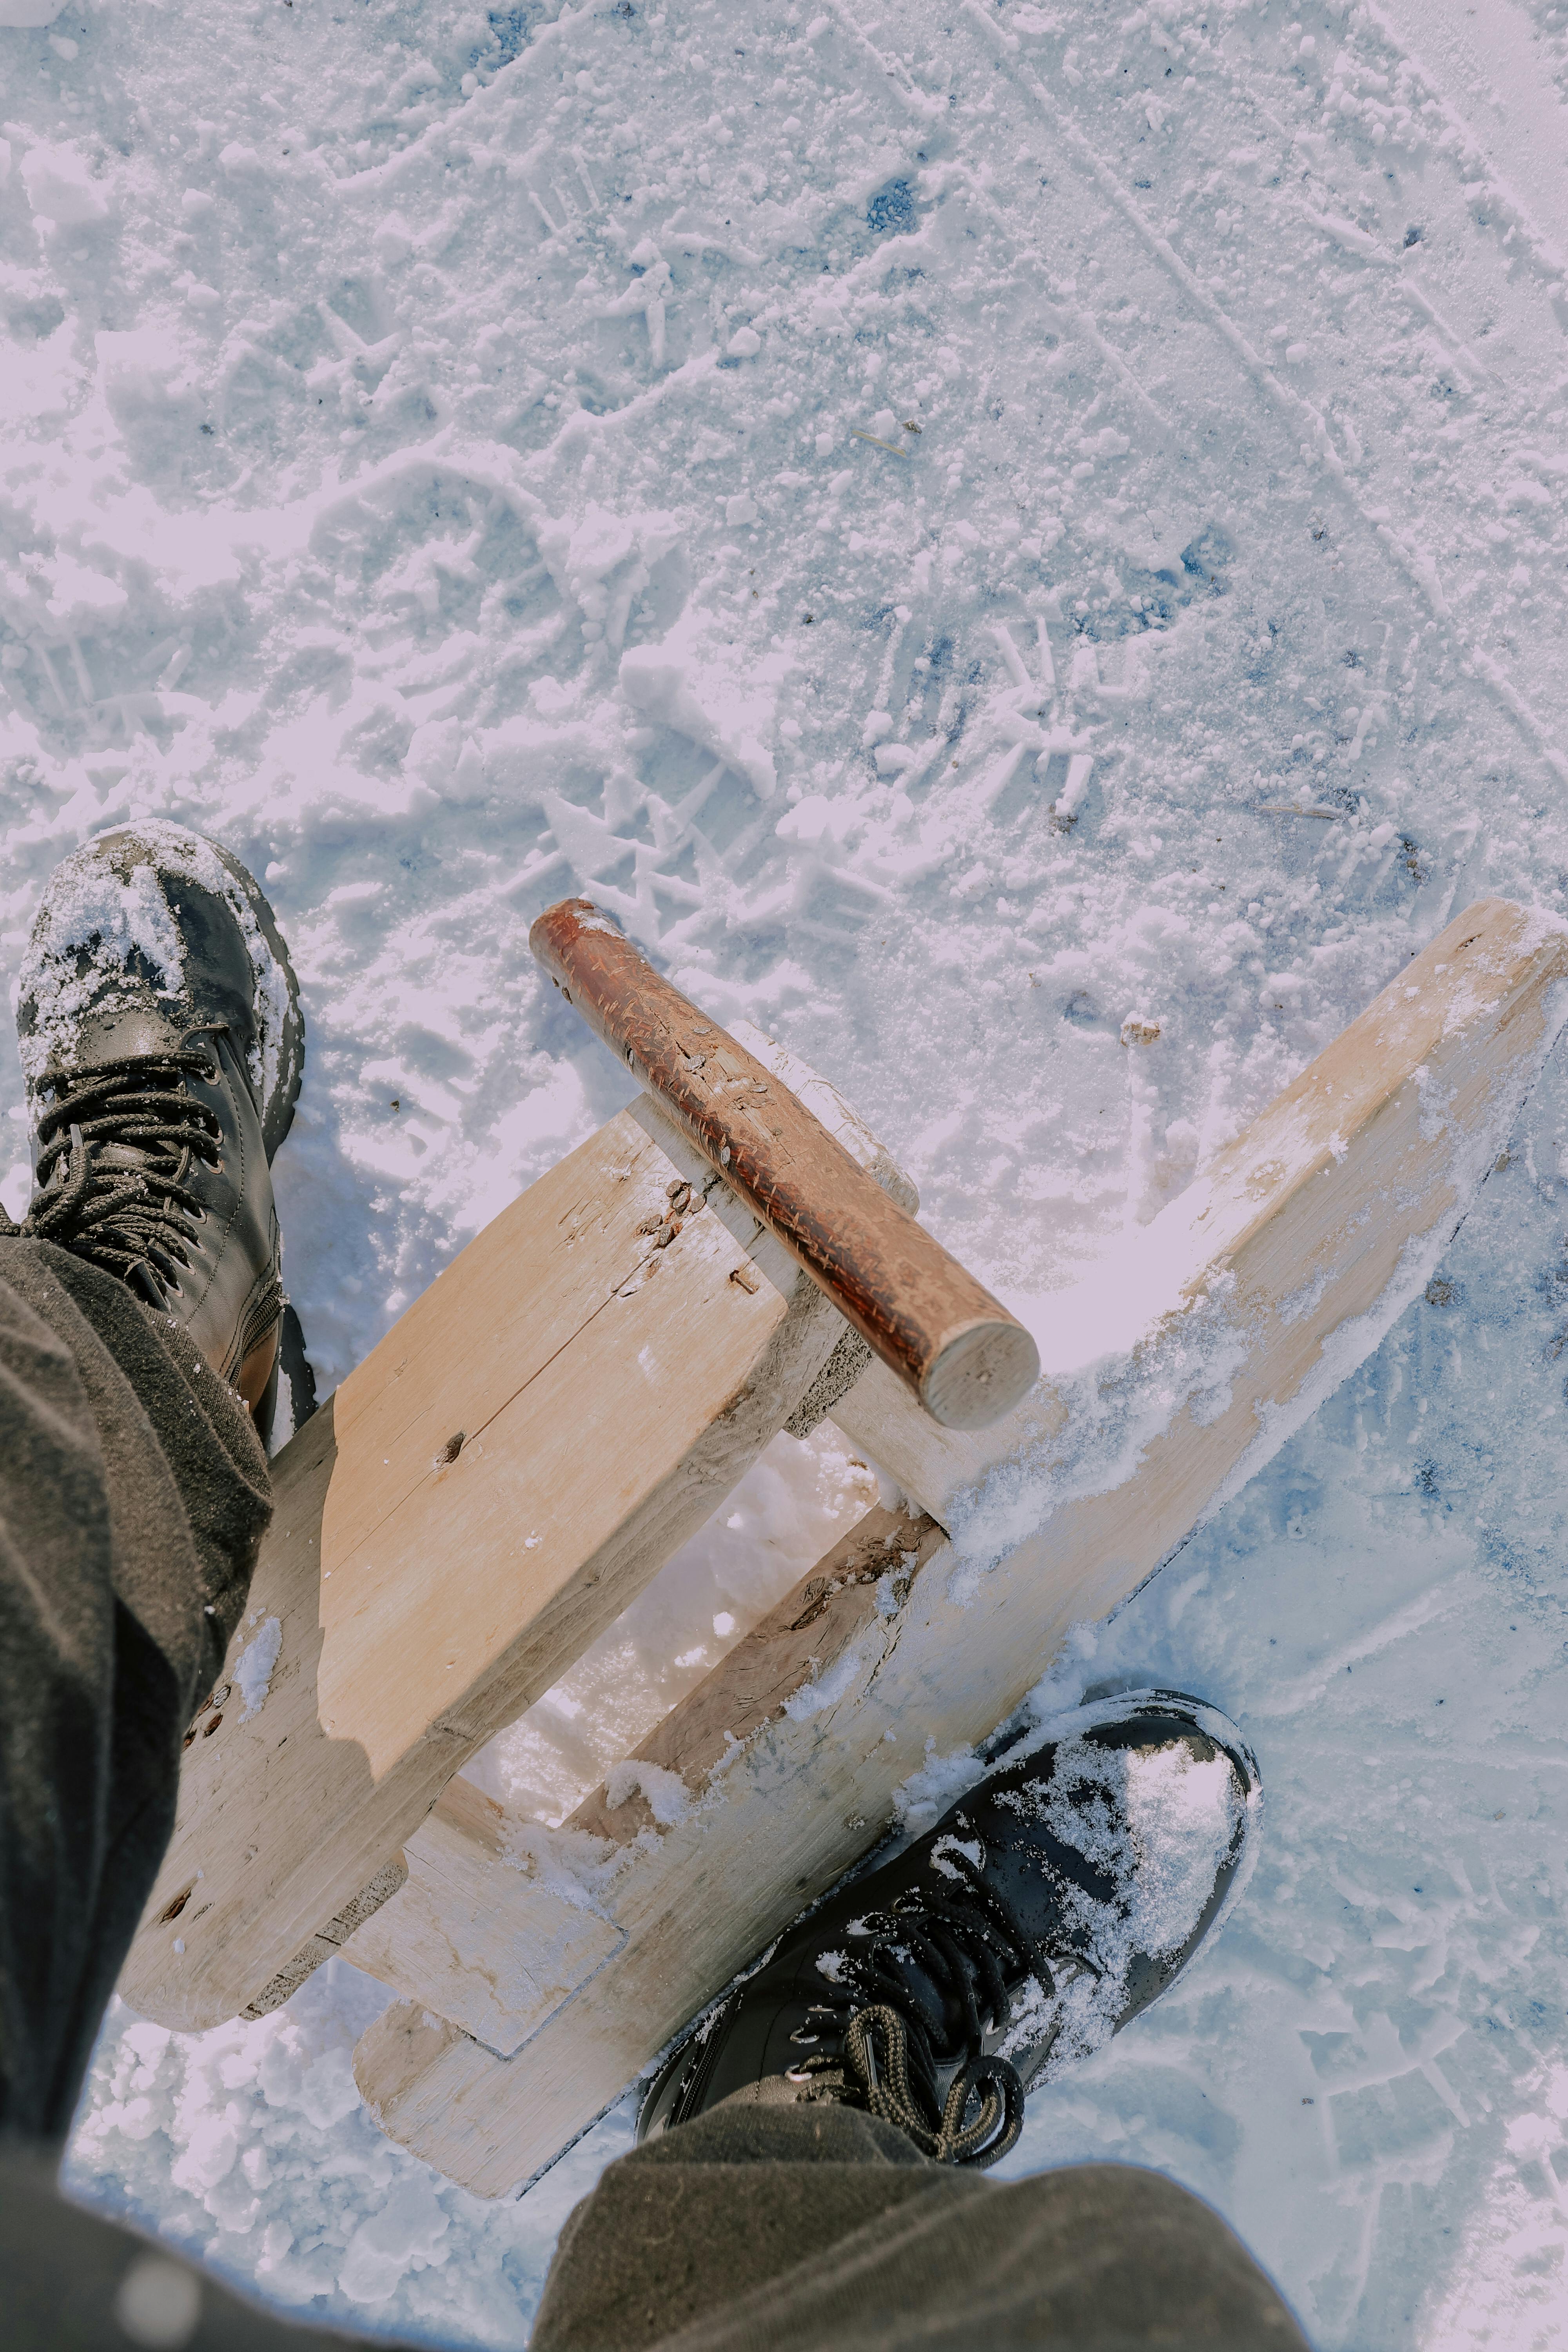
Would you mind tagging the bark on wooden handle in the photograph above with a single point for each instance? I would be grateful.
(964, 1356)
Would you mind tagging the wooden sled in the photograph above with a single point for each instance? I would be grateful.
(731, 1255)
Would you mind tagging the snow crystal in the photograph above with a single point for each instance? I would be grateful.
(61, 189)
(253, 1667)
(693, 683)
(825, 1691)
(94, 914)
(938, 1783)
(408, 2229)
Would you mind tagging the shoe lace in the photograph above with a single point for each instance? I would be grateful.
(134, 1222)
(891, 2091)
(967, 1945)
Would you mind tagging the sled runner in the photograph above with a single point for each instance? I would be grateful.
(731, 1255)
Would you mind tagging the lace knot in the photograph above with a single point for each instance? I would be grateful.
(889, 2092)
(926, 1977)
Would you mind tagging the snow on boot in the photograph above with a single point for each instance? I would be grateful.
(1052, 1903)
(162, 1045)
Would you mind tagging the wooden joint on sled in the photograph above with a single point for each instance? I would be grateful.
(955, 1348)
(1292, 1254)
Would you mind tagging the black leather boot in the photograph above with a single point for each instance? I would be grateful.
(1049, 1906)
(162, 1045)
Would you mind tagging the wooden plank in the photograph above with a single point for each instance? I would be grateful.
(1252, 1298)
(479, 1926)
(867, 1575)
(329, 1938)
(565, 1407)
(956, 1349)
(445, 1962)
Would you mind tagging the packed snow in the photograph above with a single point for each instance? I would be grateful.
(1020, 548)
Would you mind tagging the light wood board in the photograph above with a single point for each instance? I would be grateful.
(468, 1924)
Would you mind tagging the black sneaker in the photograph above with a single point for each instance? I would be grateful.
(1052, 1903)
(162, 1045)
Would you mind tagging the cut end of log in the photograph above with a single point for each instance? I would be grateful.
(981, 1372)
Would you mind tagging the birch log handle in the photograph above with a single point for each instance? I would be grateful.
(956, 1347)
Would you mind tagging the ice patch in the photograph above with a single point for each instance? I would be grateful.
(252, 1675)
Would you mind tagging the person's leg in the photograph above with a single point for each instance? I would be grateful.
(133, 1495)
(798, 2229)
(159, 1028)
(809, 2172)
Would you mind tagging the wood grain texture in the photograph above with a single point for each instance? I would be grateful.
(865, 1575)
(1319, 1224)
(956, 1347)
(609, 1383)
(476, 1932)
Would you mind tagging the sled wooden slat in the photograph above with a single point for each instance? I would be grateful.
(561, 1409)
(954, 1347)
(473, 1929)
(468, 1940)
(1295, 1251)
(415, 2057)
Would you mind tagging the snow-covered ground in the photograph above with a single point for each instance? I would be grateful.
(961, 526)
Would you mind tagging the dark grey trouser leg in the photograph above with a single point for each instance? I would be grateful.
(71, 2283)
(814, 2228)
(133, 1497)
